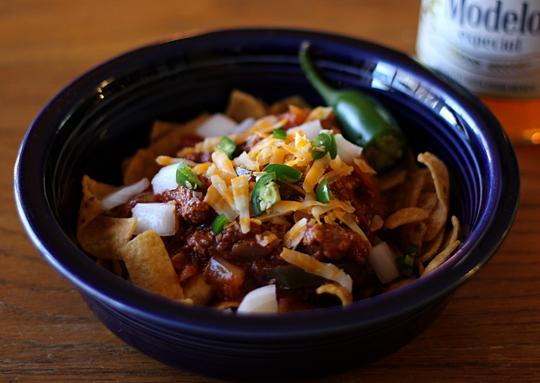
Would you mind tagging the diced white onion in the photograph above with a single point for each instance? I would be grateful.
(124, 194)
(261, 300)
(165, 179)
(310, 129)
(159, 217)
(244, 126)
(217, 125)
(346, 149)
(384, 262)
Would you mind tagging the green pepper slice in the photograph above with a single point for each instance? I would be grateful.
(227, 146)
(186, 177)
(292, 277)
(363, 120)
(323, 192)
(279, 134)
(407, 261)
(322, 144)
(284, 172)
(219, 223)
(412, 249)
(265, 193)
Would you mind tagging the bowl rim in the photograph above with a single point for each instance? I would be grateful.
(54, 244)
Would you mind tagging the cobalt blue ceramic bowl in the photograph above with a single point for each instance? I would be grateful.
(104, 115)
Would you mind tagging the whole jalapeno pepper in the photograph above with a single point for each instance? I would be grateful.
(363, 120)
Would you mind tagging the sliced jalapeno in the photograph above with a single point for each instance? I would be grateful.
(279, 134)
(219, 223)
(284, 172)
(227, 146)
(265, 193)
(188, 179)
(324, 143)
(323, 192)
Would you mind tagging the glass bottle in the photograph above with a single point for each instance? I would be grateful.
(492, 47)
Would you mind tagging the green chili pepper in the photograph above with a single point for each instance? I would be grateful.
(323, 192)
(322, 144)
(219, 223)
(407, 261)
(279, 134)
(227, 146)
(292, 277)
(363, 120)
(284, 172)
(412, 249)
(265, 193)
(186, 177)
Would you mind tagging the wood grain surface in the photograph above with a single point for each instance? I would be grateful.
(490, 332)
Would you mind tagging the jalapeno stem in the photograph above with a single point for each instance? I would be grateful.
(363, 120)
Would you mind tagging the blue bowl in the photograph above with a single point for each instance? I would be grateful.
(104, 115)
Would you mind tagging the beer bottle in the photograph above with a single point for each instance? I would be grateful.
(492, 47)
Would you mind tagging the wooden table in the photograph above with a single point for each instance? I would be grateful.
(489, 332)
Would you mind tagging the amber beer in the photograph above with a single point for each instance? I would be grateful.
(492, 47)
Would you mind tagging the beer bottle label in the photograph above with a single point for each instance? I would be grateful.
(491, 47)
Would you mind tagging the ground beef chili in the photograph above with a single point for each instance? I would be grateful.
(195, 249)
(206, 221)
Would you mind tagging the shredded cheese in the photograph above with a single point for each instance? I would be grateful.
(244, 161)
(319, 113)
(364, 166)
(202, 168)
(277, 156)
(351, 222)
(223, 189)
(265, 155)
(222, 162)
(280, 208)
(166, 161)
(295, 234)
(240, 191)
(339, 169)
(267, 238)
(315, 173)
(210, 143)
(214, 199)
(225, 176)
